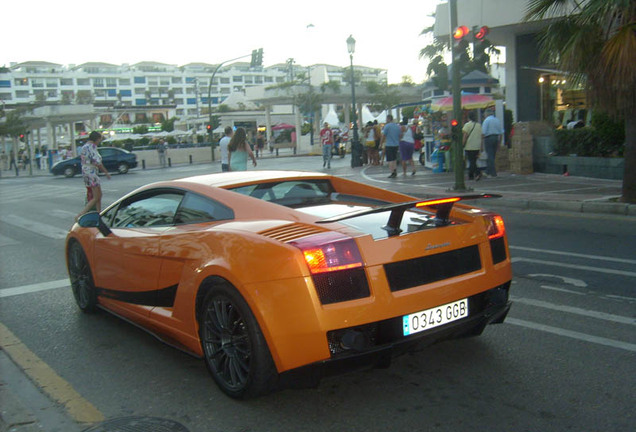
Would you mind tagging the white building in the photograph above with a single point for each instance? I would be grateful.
(504, 18)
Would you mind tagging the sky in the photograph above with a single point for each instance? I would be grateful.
(184, 31)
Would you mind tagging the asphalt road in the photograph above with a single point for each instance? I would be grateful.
(564, 360)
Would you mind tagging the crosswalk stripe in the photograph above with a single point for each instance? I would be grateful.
(26, 289)
(42, 229)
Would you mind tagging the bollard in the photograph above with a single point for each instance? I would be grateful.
(143, 164)
(170, 162)
(190, 159)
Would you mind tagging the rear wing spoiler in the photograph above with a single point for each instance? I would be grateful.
(443, 207)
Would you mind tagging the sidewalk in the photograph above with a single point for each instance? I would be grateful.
(537, 191)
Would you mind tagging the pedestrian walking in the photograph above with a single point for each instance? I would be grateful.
(407, 147)
(162, 149)
(238, 151)
(391, 140)
(472, 145)
(223, 143)
(91, 162)
(492, 132)
(326, 138)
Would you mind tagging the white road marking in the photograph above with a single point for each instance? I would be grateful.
(570, 281)
(548, 287)
(573, 334)
(577, 311)
(631, 299)
(27, 289)
(62, 214)
(572, 254)
(42, 229)
(577, 267)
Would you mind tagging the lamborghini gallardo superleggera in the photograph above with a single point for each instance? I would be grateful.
(278, 278)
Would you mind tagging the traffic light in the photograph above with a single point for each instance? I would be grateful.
(460, 44)
(208, 127)
(481, 33)
(257, 58)
(21, 137)
(455, 132)
(460, 33)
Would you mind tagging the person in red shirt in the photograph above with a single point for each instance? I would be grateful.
(326, 138)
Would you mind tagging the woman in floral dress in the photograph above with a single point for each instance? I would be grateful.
(91, 166)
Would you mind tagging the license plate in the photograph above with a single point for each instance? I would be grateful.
(434, 317)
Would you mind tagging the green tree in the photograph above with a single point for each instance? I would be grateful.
(168, 124)
(595, 42)
(383, 96)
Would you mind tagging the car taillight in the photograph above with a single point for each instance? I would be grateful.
(496, 227)
(329, 252)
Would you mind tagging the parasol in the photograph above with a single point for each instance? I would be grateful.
(283, 126)
(469, 101)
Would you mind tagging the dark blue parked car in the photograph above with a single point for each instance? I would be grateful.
(114, 160)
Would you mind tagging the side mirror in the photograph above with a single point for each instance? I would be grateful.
(94, 220)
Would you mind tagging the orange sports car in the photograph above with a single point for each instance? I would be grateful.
(278, 278)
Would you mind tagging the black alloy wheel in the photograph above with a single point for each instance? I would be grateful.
(122, 168)
(236, 353)
(81, 278)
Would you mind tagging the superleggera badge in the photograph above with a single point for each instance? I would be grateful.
(437, 246)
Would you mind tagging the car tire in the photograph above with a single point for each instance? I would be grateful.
(81, 277)
(122, 168)
(235, 351)
(69, 172)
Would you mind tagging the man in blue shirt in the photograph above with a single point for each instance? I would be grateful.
(391, 140)
(492, 131)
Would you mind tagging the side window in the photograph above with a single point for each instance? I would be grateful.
(106, 152)
(198, 209)
(148, 210)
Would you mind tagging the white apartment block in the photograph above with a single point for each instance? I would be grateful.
(149, 92)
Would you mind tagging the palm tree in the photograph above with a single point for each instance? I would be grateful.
(595, 42)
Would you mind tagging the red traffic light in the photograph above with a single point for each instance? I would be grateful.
(460, 32)
(21, 136)
(482, 32)
(454, 122)
(209, 127)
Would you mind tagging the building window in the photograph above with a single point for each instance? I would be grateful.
(177, 90)
(66, 81)
(124, 81)
(269, 79)
(5, 83)
(51, 82)
(21, 81)
(36, 83)
(125, 93)
(6, 96)
(178, 101)
(179, 112)
(111, 82)
(177, 80)
(140, 101)
(191, 101)
(140, 80)
(190, 80)
(98, 82)
(237, 78)
(225, 80)
(83, 82)
(153, 82)
(22, 94)
(140, 90)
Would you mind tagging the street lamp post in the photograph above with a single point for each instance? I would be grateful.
(356, 147)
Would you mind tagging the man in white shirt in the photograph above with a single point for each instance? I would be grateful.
(225, 165)
(492, 131)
